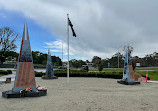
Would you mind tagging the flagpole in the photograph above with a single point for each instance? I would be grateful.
(62, 54)
(67, 49)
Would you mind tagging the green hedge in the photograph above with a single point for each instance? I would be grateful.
(39, 74)
(60, 73)
(9, 71)
(3, 72)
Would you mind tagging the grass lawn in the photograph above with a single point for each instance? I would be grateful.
(110, 69)
(153, 71)
(152, 74)
(1, 75)
(121, 69)
(148, 68)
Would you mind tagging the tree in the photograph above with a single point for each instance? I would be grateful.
(44, 62)
(35, 55)
(40, 58)
(105, 62)
(96, 60)
(87, 61)
(56, 60)
(77, 63)
(7, 42)
(100, 66)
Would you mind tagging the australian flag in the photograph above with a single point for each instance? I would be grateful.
(70, 24)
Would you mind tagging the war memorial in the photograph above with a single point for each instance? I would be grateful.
(25, 84)
(129, 76)
(49, 68)
(81, 94)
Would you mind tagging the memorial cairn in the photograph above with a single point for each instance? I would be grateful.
(49, 68)
(129, 76)
(24, 84)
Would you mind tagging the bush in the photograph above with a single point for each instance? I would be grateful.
(9, 71)
(3, 72)
(39, 74)
(44, 62)
(120, 72)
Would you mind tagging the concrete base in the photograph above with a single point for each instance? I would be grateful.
(128, 83)
(11, 94)
(54, 77)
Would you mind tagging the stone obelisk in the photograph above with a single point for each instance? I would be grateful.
(49, 68)
(128, 72)
(25, 77)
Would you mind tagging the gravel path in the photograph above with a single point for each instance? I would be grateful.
(86, 94)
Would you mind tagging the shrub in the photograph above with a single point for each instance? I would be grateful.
(63, 73)
(39, 74)
(120, 72)
(9, 71)
(5, 72)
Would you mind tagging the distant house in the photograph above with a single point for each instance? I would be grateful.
(10, 59)
(137, 64)
(89, 66)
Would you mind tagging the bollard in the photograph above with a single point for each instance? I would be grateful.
(146, 76)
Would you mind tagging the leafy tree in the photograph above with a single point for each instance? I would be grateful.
(35, 56)
(87, 61)
(40, 58)
(96, 60)
(12, 54)
(9, 58)
(100, 66)
(44, 62)
(77, 63)
(7, 42)
(57, 61)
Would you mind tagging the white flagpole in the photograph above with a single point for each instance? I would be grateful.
(67, 49)
(62, 54)
(118, 60)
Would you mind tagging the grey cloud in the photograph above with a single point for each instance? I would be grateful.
(103, 27)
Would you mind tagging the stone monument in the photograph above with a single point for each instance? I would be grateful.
(49, 68)
(129, 76)
(25, 77)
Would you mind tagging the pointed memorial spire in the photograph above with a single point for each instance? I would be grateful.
(24, 84)
(25, 76)
(49, 68)
(129, 75)
(23, 36)
(27, 33)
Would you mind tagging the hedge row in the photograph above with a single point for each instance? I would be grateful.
(116, 75)
(3, 72)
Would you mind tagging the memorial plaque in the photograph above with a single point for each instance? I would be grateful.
(25, 75)
(131, 72)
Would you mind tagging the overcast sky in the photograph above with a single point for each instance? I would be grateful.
(103, 27)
